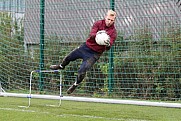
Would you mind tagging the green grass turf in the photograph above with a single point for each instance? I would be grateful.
(81, 111)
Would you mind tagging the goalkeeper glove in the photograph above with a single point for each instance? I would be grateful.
(107, 42)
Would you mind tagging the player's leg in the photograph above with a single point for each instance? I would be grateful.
(75, 54)
(78, 80)
(86, 65)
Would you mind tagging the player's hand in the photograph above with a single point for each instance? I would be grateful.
(102, 31)
(107, 42)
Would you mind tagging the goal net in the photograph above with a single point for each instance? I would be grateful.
(143, 64)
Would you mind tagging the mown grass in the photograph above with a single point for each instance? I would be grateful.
(81, 111)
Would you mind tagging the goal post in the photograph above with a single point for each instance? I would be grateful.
(1, 89)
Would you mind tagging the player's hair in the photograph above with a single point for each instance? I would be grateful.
(111, 13)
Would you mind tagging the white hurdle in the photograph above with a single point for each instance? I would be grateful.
(30, 95)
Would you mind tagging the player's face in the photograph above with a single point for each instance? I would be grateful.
(109, 20)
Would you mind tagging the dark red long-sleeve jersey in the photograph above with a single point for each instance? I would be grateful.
(101, 25)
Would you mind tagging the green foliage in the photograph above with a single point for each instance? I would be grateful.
(148, 69)
(12, 58)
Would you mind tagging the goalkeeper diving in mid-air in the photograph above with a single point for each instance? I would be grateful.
(92, 49)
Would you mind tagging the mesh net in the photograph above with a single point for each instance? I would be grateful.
(144, 62)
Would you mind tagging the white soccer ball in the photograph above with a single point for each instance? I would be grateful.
(102, 38)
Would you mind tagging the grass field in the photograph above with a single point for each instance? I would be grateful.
(82, 111)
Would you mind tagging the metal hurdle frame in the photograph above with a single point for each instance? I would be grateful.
(30, 84)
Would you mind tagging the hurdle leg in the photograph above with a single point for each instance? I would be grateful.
(60, 92)
(29, 95)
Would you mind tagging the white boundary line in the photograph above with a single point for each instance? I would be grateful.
(99, 100)
(72, 115)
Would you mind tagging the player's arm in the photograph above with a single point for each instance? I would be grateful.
(113, 37)
(94, 30)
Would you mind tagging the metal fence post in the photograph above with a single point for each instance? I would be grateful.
(42, 12)
(111, 60)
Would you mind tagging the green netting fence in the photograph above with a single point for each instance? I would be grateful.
(144, 63)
